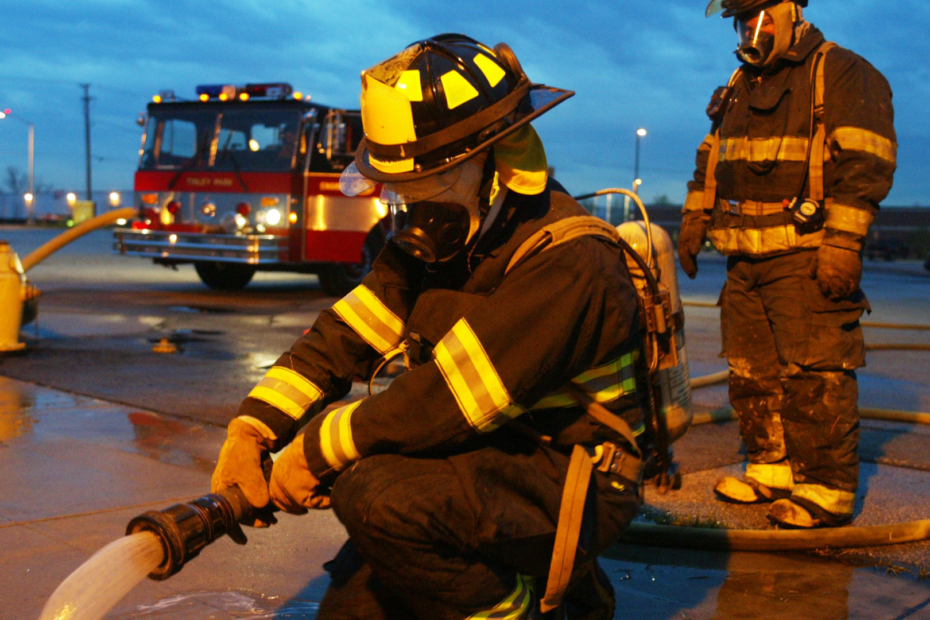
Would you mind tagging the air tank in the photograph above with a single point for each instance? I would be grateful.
(675, 380)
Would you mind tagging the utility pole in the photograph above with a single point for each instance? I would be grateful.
(86, 99)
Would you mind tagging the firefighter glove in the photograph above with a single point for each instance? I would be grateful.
(691, 240)
(293, 488)
(837, 270)
(240, 464)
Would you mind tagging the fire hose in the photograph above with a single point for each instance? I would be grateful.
(80, 230)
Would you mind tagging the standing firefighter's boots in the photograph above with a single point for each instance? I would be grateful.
(813, 505)
(762, 483)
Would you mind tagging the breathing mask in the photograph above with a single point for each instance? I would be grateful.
(434, 218)
(765, 36)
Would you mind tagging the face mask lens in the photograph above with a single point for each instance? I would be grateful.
(756, 38)
(354, 183)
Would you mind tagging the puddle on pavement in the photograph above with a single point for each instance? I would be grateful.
(666, 584)
(31, 414)
(201, 309)
(210, 605)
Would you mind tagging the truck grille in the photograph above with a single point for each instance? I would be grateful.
(249, 249)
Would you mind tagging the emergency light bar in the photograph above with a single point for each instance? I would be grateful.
(228, 92)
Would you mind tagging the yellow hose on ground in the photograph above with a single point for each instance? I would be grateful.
(775, 540)
(708, 380)
(888, 415)
(70, 235)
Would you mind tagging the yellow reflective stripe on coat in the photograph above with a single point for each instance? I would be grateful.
(371, 319)
(849, 219)
(603, 384)
(287, 390)
(336, 441)
(773, 475)
(855, 139)
(833, 501)
(473, 380)
(517, 605)
(764, 149)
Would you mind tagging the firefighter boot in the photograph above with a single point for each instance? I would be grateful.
(807, 507)
(762, 483)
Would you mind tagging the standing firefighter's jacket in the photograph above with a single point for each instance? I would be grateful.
(759, 146)
(482, 348)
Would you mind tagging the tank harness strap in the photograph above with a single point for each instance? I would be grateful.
(561, 232)
(574, 493)
(710, 178)
(818, 146)
(571, 514)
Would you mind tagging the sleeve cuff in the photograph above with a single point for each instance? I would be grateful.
(329, 444)
(850, 220)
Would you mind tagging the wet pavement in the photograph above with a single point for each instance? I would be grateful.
(95, 428)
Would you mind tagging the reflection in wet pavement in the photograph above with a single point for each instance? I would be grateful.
(206, 605)
(31, 414)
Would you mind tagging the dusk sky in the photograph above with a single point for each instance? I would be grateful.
(633, 64)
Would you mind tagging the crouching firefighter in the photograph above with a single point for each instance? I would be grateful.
(802, 151)
(486, 479)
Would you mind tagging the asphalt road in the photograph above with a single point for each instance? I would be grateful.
(95, 408)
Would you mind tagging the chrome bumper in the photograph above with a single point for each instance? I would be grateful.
(249, 249)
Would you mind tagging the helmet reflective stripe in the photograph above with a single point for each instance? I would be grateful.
(491, 70)
(457, 89)
(409, 84)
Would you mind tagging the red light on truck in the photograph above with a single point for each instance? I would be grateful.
(243, 209)
(173, 207)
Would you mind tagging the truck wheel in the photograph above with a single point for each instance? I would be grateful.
(225, 276)
(338, 279)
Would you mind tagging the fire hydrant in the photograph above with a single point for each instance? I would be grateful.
(14, 291)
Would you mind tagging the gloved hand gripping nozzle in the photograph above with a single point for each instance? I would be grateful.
(185, 529)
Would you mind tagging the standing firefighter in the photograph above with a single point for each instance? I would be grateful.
(801, 152)
(465, 485)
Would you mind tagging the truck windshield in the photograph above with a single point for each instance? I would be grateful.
(178, 139)
(256, 139)
(250, 139)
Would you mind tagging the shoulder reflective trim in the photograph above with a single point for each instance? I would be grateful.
(517, 605)
(336, 441)
(764, 149)
(849, 219)
(491, 69)
(371, 319)
(855, 139)
(694, 202)
(473, 380)
(603, 384)
(833, 501)
(458, 90)
(409, 84)
(287, 390)
(776, 475)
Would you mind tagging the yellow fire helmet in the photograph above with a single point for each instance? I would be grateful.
(732, 8)
(440, 102)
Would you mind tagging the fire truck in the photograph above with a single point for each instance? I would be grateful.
(246, 178)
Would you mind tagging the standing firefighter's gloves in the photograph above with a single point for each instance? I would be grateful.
(293, 488)
(248, 440)
(691, 240)
(837, 270)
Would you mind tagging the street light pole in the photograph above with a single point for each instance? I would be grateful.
(30, 201)
(640, 134)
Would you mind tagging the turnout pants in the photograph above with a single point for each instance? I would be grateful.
(470, 535)
(792, 355)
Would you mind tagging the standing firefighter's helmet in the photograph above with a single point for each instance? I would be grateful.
(440, 102)
(732, 8)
